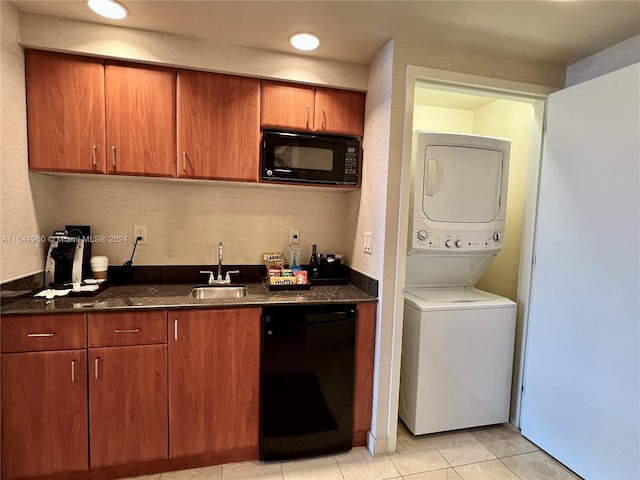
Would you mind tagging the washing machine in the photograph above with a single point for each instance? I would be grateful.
(458, 341)
(457, 359)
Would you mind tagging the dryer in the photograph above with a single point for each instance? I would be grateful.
(457, 343)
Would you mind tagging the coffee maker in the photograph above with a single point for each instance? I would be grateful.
(68, 256)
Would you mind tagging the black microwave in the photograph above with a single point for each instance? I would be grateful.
(310, 158)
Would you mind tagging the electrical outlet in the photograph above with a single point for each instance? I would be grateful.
(140, 231)
(367, 247)
(294, 233)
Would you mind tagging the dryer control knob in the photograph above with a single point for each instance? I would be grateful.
(448, 243)
(422, 235)
(497, 236)
(458, 243)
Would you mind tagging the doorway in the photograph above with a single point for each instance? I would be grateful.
(449, 102)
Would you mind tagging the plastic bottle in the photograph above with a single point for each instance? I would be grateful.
(295, 253)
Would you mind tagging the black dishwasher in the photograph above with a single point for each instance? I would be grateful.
(306, 382)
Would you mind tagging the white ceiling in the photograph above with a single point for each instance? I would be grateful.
(557, 32)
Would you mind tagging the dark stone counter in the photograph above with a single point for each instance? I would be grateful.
(175, 296)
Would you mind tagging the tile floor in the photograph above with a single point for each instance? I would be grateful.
(484, 453)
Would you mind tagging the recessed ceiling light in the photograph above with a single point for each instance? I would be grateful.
(108, 8)
(304, 41)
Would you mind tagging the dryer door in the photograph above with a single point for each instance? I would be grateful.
(462, 184)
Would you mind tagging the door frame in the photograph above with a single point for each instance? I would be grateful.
(500, 89)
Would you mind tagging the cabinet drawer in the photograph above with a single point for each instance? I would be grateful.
(127, 328)
(31, 333)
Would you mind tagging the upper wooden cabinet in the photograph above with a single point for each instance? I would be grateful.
(218, 126)
(66, 112)
(68, 99)
(141, 116)
(302, 107)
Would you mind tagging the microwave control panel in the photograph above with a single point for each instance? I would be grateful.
(351, 162)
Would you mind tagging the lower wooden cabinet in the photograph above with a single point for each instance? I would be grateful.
(44, 413)
(127, 387)
(134, 392)
(128, 404)
(214, 367)
(363, 379)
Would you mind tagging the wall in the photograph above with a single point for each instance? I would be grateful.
(510, 120)
(28, 201)
(613, 58)
(185, 220)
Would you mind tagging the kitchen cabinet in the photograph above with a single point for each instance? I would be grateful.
(127, 387)
(214, 367)
(86, 115)
(364, 363)
(65, 112)
(140, 119)
(44, 395)
(303, 107)
(218, 126)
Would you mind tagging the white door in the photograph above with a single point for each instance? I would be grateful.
(581, 401)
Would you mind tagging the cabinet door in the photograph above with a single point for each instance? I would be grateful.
(339, 111)
(128, 404)
(218, 126)
(215, 376)
(65, 112)
(363, 380)
(141, 117)
(286, 105)
(44, 413)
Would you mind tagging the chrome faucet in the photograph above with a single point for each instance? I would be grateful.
(219, 262)
(219, 281)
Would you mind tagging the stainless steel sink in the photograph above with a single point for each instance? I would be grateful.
(219, 291)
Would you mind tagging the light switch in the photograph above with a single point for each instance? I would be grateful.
(367, 242)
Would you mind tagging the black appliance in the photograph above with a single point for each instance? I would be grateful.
(307, 380)
(310, 158)
(68, 256)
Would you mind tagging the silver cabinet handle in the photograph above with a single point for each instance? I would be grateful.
(184, 161)
(95, 367)
(308, 116)
(113, 155)
(41, 334)
(95, 161)
(132, 330)
(175, 330)
(323, 118)
(73, 371)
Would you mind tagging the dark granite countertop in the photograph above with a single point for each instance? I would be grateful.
(174, 296)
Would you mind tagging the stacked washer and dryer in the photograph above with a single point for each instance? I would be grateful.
(458, 341)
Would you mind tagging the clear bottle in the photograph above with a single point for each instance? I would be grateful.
(313, 262)
(295, 253)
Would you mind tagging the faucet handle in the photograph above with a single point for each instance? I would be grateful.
(227, 278)
(211, 276)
